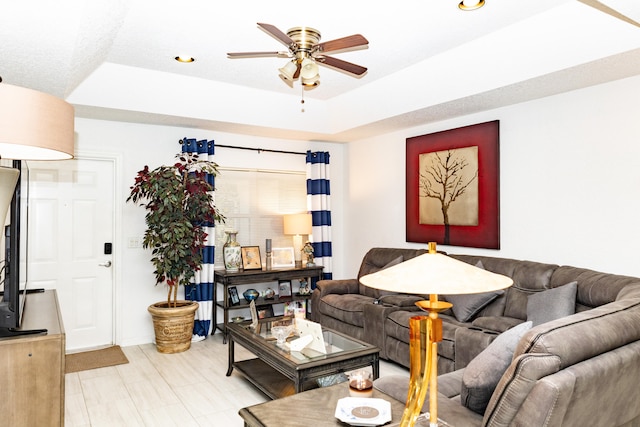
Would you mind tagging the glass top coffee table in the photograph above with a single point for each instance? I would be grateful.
(278, 372)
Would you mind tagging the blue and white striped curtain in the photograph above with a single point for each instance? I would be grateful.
(319, 204)
(201, 289)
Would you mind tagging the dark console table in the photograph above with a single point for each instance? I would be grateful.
(224, 279)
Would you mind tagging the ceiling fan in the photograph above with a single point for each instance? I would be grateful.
(602, 7)
(306, 52)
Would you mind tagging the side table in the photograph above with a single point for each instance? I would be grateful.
(224, 279)
(317, 408)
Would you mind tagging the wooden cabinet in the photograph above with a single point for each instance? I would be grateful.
(32, 367)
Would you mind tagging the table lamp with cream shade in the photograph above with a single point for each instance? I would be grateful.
(298, 225)
(430, 274)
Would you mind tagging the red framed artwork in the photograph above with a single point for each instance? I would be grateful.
(453, 187)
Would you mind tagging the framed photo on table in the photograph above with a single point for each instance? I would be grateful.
(251, 258)
(283, 258)
(234, 298)
(265, 311)
(284, 288)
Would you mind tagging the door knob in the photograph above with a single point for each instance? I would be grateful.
(105, 264)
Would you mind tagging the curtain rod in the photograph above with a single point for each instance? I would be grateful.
(259, 150)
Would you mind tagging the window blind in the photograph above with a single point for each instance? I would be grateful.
(254, 202)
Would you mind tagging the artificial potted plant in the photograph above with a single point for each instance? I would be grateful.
(179, 203)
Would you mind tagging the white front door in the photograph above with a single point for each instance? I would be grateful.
(70, 217)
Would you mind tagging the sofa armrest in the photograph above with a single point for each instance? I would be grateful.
(339, 286)
(327, 287)
(374, 317)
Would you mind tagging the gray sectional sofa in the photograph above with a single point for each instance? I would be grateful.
(578, 364)
(341, 304)
(579, 370)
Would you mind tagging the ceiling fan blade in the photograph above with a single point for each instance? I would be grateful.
(609, 11)
(342, 65)
(275, 32)
(342, 43)
(257, 54)
(297, 73)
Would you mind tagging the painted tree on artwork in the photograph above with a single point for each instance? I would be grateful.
(447, 177)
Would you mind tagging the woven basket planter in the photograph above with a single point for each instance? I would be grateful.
(173, 326)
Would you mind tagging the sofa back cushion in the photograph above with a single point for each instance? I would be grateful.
(377, 259)
(528, 277)
(594, 288)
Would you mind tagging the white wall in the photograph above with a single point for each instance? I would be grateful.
(138, 145)
(569, 189)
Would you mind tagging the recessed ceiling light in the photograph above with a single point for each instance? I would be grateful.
(471, 4)
(184, 58)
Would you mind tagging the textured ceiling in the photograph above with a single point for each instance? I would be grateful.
(427, 60)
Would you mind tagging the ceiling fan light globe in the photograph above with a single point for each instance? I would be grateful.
(289, 70)
(312, 82)
(309, 69)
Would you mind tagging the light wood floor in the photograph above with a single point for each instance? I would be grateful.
(153, 389)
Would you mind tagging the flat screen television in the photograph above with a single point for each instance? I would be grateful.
(14, 287)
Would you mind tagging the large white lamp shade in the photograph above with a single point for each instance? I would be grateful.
(435, 273)
(34, 125)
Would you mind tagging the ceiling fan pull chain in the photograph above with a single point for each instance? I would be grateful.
(302, 100)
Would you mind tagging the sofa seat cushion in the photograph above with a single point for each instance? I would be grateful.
(397, 386)
(347, 308)
(450, 383)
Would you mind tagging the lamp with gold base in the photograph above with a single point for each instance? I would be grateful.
(430, 274)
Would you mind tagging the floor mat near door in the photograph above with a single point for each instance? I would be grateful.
(94, 359)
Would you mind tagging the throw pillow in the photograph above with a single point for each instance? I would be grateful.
(552, 304)
(482, 374)
(467, 306)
